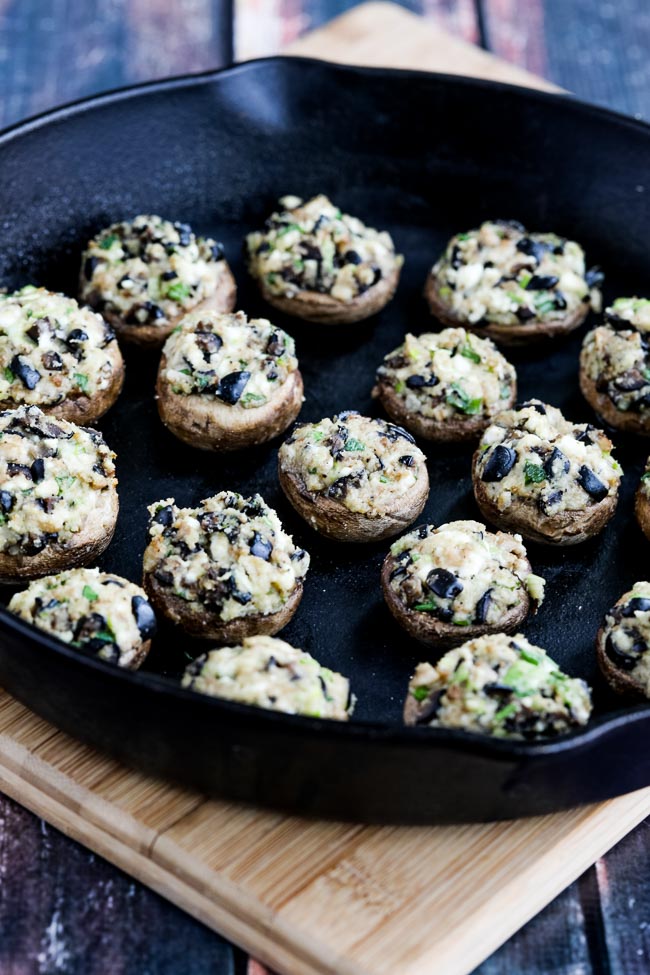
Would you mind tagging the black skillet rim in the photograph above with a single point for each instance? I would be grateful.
(598, 728)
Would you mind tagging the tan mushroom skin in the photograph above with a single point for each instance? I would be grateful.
(269, 673)
(512, 284)
(445, 386)
(143, 274)
(57, 356)
(227, 382)
(225, 569)
(354, 478)
(552, 480)
(322, 265)
(498, 685)
(58, 499)
(447, 584)
(98, 613)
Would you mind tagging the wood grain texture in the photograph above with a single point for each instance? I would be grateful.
(312, 898)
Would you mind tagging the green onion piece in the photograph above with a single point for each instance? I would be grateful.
(469, 352)
(420, 693)
(352, 445)
(458, 398)
(82, 381)
(89, 594)
(177, 291)
(505, 712)
(9, 376)
(425, 607)
(108, 242)
(528, 657)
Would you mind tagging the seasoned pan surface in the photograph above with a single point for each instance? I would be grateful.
(422, 156)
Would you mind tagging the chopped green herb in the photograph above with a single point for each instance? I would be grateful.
(64, 481)
(469, 352)
(288, 228)
(400, 386)
(318, 435)
(89, 594)
(462, 236)
(253, 398)
(186, 372)
(82, 380)
(516, 297)
(461, 622)
(9, 376)
(108, 242)
(533, 473)
(177, 291)
(352, 445)
(271, 278)
(444, 292)
(425, 607)
(505, 712)
(420, 693)
(524, 279)
(528, 657)
(458, 398)
(384, 480)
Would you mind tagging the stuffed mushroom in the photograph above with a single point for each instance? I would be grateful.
(352, 478)
(513, 285)
(225, 382)
(623, 643)
(319, 264)
(498, 685)
(269, 673)
(58, 498)
(224, 570)
(143, 274)
(449, 584)
(98, 613)
(615, 366)
(445, 386)
(57, 356)
(537, 473)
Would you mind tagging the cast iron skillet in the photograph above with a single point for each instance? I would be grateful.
(424, 156)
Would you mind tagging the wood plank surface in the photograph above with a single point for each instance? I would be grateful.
(312, 898)
(62, 908)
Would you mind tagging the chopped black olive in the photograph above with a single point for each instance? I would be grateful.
(394, 433)
(550, 501)
(339, 489)
(556, 464)
(38, 470)
(34, 332)
(542, 282)
(638, 604)
(594, 277)
(275, 345)
(456, 260)
(444, 583)
(6, 501)
(264, 247)
(74, 341)
(144, 617)
(52, 361)
(499, 463)
(208, 343)
(586, 435)
(497, 690)
(47, 504)
(407, 460)
(28, 376)
(164, 577)
(415, 382)
(400, 570)
(89, 267)
(164, 516)
(14, 469)
(429, 707)
(483, 606)
(232, 386)
(113, 582)
(592, 484)
(351, 257)
(423, 532)
(524, 314)
(538, 407)
(560, 301)
(88, 626)
(628, 659)
(512, 224)
(377, 275)
(533, 248)
(630, 381)
(169, 275)
(217, 250)
(261, 547)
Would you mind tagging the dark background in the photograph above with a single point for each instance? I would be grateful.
(62, 909)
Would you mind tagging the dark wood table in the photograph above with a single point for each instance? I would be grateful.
(65, 910)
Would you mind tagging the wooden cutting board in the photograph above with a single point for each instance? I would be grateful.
(307, 897)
